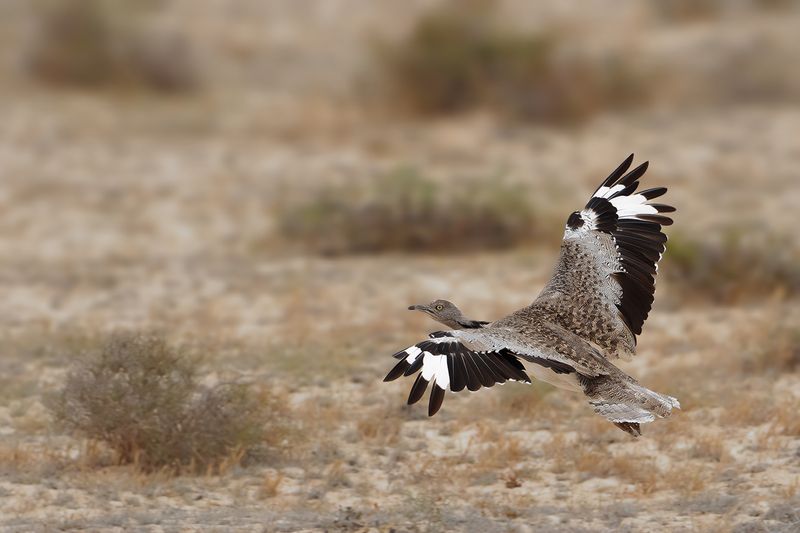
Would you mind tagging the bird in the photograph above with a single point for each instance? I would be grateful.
(448, 314)
(587, 315)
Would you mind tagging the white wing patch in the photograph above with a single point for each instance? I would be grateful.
(632, 206)
(445, 363)
(435, 366)
(413, 352)
(605, 192)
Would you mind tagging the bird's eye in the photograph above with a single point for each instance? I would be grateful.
(439, 307)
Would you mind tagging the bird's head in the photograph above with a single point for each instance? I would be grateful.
(446, 313)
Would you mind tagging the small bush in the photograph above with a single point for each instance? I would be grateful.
(458, 57)
(142, 398)
(774, 349)
(688, 10)
(739, 266)
(95, 43)
(407, 211)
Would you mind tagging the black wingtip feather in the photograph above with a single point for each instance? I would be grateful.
(658, 219)
(634, 174)
(436, 399)
(397, 371)
(459, 379)
(617, 173)
(655, 192)
(417, 390)
(663, 208)
(415, 366)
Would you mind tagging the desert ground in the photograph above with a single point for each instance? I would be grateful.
(133, 211)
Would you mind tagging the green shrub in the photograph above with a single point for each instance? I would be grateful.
(141, 397)
(407, 211)
(98, 43)
(458, 57)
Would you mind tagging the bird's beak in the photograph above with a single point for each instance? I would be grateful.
(419, 307)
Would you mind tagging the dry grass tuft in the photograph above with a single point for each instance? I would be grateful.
(270, 485)
(381, 425)
(94, 43)
(336, 475)
(688, 10)
(593, 461)
(405, 210)
(710, 447)
(774, 348)
(460, 57)
(747, 410)
(785, 418)
(141, 397)
(500, 452)
(735, 268)
(685, 478)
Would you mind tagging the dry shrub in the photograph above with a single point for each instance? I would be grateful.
(561, 452)
(772, 5)
(381, 425)
(688, 10)
(685, 478)
(735, 268)
(592, 461)
(642, 472)
(459, 57)
(786, 418)
(270, 485)
(96, 43)
(336, 475)
(682, 11)
(747, 409)
(407, 211)
(710, 447)
(29, 462)
(776, 350)
(142, 398)
(500, 452)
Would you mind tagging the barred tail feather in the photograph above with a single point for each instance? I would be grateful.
(632, 405)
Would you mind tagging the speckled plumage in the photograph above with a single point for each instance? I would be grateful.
(588, 314)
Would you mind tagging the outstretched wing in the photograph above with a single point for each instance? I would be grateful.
(604, 282)
(482, 357)
(447, 362)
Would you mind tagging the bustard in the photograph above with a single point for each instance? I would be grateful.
(588, 314)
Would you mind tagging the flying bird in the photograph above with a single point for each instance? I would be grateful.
(587, 315)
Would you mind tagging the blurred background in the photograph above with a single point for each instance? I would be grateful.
(270, 184)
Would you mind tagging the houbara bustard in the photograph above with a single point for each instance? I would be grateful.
(588, 314)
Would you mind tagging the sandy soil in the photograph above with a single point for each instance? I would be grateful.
(141, 213)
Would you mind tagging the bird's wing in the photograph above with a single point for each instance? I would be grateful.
(482, 357)
(603, 285)
(447, 362)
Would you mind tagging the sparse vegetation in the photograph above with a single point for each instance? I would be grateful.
(94, 43)
(688, 10)
(405, 210)
(142, 398)
(739, 266)
(180, 213)
(775, 349)
(460, 57)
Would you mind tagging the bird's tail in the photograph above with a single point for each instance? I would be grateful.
(628, 405)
